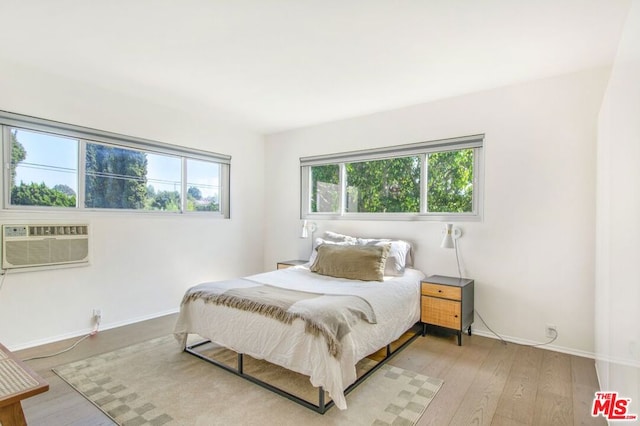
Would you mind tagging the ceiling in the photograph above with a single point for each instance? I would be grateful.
(274, 65)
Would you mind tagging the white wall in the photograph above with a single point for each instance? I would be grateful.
(618, 222)
(141, 264)
(533, 254)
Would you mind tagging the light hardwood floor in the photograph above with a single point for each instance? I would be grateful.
(485, 381)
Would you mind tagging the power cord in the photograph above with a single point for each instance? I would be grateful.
(555, 336)
(62, 351)
(504, 342)
(76, 343)
(4, 275)
(455, 245)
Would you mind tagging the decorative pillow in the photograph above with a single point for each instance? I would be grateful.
(320, 241)
(364, 263)
(399, 254)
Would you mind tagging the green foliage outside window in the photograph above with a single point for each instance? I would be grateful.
(384, 186)
(197, 203)
(116, 178)
(211, 205)
(393, 185)
(195, 193)
(38, 194)
(18, 154)
(325, 191)
(165, 200)
(450, 181)
(35, 194)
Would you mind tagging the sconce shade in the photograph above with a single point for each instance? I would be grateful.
(308, 228)
(450, 234)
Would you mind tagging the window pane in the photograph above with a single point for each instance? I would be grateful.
(164, 187)
(119, 178)
(325, 188)
(384, 186)
(116, 178)
(450, 181)
(44, 169)
(203, 186)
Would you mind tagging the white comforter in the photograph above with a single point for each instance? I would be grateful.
(396, 303)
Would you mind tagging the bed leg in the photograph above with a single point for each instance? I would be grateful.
(240, 363)
(388, 350)
(321, 405)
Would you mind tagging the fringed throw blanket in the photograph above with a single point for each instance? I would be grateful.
(328, 315)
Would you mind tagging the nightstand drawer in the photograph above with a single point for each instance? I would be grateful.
(445, 313)
(437, 290)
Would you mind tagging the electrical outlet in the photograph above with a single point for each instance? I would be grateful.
(97, 314)
(550, 331)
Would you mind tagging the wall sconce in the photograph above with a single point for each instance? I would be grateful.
(450, 235)
(308, 228)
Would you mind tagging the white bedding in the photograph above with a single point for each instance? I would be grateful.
(396, 303)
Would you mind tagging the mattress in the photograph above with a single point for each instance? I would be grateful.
(395, 301)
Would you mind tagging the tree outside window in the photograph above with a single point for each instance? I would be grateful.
(393, 185)
(44, 172)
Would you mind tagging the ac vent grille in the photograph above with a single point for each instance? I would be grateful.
(53, 230)
(25, 246)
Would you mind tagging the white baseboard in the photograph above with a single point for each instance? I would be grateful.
(526, 342)
(86, 331)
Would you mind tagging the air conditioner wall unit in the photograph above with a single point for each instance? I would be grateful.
(28, 246)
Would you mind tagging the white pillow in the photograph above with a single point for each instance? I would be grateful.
(339, 238)
(398, 257)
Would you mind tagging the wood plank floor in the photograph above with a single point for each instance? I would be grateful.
(485, 381)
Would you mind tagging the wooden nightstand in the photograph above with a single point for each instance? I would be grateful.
(289, 263)
(18, 382)
(447, 302)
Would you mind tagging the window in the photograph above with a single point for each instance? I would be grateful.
(439, 180)
(43, 169)
(325, 189)
(164, 183)
(450, 181)
(203, 186)
(54, 165)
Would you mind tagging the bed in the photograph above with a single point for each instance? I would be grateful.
(394, 303)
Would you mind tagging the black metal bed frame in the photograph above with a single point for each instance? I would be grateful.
(322, 406)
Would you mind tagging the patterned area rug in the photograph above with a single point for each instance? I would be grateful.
(154, 383)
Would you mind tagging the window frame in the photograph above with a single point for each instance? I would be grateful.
(86, 135)
(421, 149)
